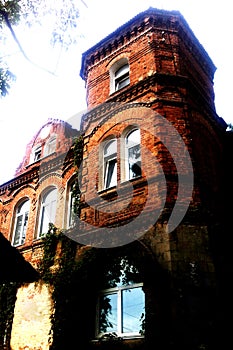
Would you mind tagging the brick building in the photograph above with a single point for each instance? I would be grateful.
(154, 200)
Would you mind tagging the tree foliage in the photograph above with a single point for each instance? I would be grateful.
(59, 17)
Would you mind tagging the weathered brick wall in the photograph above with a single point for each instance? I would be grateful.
(32, 323)
(172, 76)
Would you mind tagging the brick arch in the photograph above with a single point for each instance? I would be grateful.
(117, 57)
(23, 188)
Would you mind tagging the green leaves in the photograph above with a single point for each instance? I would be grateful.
(59, 17)
(6, 79)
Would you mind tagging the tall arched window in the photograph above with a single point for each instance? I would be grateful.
(110, 163)
(132, 154)
(20, 223)
(48, 210)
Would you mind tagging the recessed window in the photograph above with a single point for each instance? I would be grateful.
(37, 154)
(121, 309)
(119, 75)
(20, 224)
(129, 159)
(122, 77)
(50, 146)
(71, 203)
(133, 154)
(110, 163)
(48, 211)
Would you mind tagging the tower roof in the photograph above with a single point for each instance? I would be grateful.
(151, 18)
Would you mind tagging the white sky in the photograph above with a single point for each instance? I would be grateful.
(38, 95)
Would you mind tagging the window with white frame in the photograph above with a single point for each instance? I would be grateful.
(119, 75)
(71, 202)
(110, 163)
(47, 210)
(122, 77)
(37, 152)
(132, 154)
(121, 309)
(50, 146)
(20, 223)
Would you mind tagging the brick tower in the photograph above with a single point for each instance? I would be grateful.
(150, 255)
(147, 83)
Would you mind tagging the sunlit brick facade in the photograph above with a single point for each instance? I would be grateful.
(150, 81)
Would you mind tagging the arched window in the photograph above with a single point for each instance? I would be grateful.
(20, 223)
(110, 163)
(119, 75)
(48, 210)
(132, 154)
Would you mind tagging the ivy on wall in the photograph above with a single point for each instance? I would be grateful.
(75, 274)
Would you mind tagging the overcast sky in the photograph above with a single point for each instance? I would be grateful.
(38, 95)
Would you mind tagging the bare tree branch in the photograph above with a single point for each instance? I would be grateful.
(6, 18)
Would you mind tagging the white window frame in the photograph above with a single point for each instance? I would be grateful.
(128, 173)
(36, 154)
(119, 74)
(47, 207)
(121, 77)
(21, 214)
(109, 165)
(70, 205)
(119, 292)
(50, 146)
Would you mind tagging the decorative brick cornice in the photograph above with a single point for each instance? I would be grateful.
(151, 19)
(130, 96)
(42, 169)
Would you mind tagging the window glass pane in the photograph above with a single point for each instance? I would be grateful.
(50, 146)
(44, 221)
(133, 138)
(71, 203)
(134, 159)
(132, 310)
(111, 173)
(133, 154)
(122, 70)
(18, 229)
(48, 210)
(37, 154)
(110, 148)
(122, 77)
(108, 313)
(110, 164)
(120, 83)
(21, 221)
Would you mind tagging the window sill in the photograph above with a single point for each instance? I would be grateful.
(40, 159)
(117, 339)
(112, 191)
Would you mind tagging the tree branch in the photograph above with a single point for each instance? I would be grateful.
(6, 18)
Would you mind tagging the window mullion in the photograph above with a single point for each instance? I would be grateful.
(119, 312)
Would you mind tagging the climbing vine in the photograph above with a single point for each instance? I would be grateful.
(75, 274)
